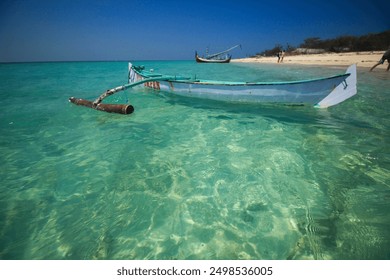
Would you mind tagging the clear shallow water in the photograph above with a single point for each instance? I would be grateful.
(185, 178)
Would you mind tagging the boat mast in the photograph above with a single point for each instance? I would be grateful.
(217, 54)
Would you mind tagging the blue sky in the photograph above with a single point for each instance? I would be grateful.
(62, 30)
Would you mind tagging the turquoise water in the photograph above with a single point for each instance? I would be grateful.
(184, 178)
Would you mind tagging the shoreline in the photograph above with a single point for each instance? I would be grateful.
(361, 59)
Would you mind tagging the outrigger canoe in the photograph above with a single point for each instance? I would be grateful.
(321, 92)
(210, 60)
(221, 57)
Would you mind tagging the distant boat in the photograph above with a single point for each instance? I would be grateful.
(221, 57)
(218, 60)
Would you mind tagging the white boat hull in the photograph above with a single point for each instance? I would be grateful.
(322, 93)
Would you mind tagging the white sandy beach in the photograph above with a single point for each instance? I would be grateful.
(362, 59)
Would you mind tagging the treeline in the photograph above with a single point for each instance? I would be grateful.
(369, 42)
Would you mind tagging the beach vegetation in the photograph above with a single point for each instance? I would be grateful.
(345, 43)
(272, 52)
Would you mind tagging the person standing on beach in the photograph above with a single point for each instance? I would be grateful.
(385, 56)
(282, 56)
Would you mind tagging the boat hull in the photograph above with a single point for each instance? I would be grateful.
(311, 93)
(314, 92)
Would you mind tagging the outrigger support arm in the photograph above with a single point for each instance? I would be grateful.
(133, 84)
(121, 88)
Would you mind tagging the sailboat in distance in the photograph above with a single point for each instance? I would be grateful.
(221, 57)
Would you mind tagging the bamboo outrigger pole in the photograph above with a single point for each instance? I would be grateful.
(109, 108)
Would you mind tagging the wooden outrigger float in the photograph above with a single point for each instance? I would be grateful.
(109, 108)
(321, 92)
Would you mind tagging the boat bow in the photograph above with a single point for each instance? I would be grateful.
(343, 91)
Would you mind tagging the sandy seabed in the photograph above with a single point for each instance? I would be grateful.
(362, 59)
